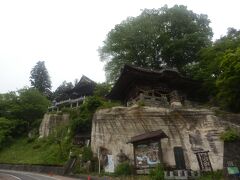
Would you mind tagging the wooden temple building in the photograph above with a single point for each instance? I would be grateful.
(158, 124)
(153, 88)
(76, 95)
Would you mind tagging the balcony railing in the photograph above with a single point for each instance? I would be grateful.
(68, 102)
(150, 100)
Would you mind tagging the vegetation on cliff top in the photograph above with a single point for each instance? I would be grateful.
(219, 70)
(81, 118)
(230, 135)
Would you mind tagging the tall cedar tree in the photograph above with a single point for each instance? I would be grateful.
(40, 78)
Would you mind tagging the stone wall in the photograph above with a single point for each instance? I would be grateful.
(50, 122)
(192, 129)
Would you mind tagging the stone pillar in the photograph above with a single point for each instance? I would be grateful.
(175, 99)
(185, 173)
(141, 97)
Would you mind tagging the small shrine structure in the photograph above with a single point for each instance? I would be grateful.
(165, 87)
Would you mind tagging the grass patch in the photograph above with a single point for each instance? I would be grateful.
(23, 151)
(124, 169)
(217, 175)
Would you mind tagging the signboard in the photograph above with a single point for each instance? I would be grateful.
(146, 155)
(233, 170)
(110, 165)
(204, 161)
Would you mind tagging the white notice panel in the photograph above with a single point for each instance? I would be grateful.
(110, 165)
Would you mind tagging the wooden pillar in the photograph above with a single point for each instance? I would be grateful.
(83, 99)
(160, 154)
(134, 157)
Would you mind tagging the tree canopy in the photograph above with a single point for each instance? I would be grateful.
(40, 78)
(156, 38)
(26, 104)
(228, 83)
(219, 69)
(31, 105)
(20, 112)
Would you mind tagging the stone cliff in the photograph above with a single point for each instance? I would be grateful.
(191, 129)
(51, 121)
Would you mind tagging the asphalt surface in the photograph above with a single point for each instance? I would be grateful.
(20, 175)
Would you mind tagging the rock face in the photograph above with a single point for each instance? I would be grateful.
(192, 130)
(51, 121)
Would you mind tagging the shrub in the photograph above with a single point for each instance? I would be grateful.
(230, 135)
(30, 139)
(124, 169)
(7, 130)
(87, 154)
(141, 103)
(218, 175)
(157, 173)
(36, 146)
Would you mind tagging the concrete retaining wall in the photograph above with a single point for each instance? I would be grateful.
(34, 168)
(189, 128)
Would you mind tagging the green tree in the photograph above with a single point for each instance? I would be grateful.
(40, 78)
(8, 103)
(6, 128)
(156, 38)
(102, 89)
(20, 112)
(228, 83)
(218, 69)
(31, 105)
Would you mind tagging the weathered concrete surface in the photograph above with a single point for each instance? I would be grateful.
(50, 122)
(192, 129)
(34, 168)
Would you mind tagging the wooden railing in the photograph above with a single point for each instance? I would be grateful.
(67, 102)
(149, 100)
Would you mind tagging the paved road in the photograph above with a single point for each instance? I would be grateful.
(19, 175)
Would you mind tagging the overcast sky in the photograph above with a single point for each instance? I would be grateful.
(66, 34)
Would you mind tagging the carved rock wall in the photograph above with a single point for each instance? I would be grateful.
(192, 129)
(50, 122)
